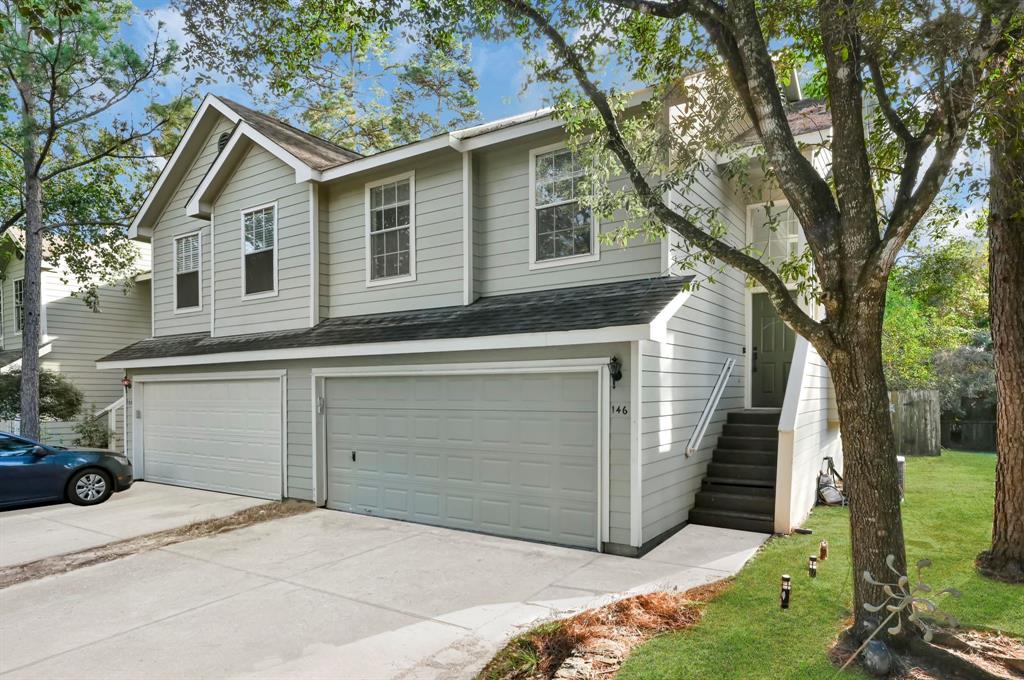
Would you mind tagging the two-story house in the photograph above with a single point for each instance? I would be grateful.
(435, 333)
(73, 334)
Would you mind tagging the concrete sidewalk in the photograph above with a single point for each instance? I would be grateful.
(328, 595)
(44, 531)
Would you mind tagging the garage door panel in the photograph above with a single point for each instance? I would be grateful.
(507, 454)
(215, 435)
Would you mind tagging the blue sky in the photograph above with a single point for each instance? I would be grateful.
(498, 67)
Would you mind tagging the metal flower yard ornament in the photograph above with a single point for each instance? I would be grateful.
(906, 599)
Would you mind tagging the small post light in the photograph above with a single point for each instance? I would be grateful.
(787, 588)
(812, 566)
(823, 550)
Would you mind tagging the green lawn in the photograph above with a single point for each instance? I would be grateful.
(947, 516)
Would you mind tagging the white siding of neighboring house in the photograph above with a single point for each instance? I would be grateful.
(501, 231)
(259, 179)
(809, 432)
(679, 375)
(171, 223)
(438, 219)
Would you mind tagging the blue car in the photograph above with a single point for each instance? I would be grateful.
(31, 472)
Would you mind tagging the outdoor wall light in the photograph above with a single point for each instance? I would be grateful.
(787, 589)
(812, 566)
(615, 370)
(126, 382)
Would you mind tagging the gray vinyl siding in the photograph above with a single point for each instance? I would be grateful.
(258, 180)
(323, 233)
(300, 411)
(438, 210)
(171, 223)
(502, 256)
(82, 336)
(679, 375)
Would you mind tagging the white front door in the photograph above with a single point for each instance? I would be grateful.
(219, 435)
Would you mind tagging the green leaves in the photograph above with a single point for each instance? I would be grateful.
(59, 399)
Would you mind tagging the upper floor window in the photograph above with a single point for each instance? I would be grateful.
(562, 230)
(774, 233)
(19, 304)
(187, 264)
(391, 230)
(259, 248)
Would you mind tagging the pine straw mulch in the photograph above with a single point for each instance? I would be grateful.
(592, 645)
(60, 564)
(988, 655)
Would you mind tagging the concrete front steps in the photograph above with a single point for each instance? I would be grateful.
(739, 490)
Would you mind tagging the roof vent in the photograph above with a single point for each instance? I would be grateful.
(222, 141)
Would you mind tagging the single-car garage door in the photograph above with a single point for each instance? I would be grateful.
(219, 435)
(513, 454)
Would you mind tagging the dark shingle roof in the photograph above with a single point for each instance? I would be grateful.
(9, 356)
(317, 153)
(806, 115)
(567, 309)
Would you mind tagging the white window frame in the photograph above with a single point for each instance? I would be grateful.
(778, 205)
(277, 235)
(174, 255)
(411, 276)
(19, 320)
(595, 246)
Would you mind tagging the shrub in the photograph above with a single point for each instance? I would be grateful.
(59, 399)
(93, 432)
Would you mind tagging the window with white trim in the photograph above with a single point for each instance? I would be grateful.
(259, 245)
(187, 254)
(563, 228)
(19, 304)
(391, 228)
(774, 233)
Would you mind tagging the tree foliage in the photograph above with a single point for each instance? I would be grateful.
(936, 305)
(59, 398)
(349, 79)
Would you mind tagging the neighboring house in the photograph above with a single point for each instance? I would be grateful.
(435, 333)
(73, 335)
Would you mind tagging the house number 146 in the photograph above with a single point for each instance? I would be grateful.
(620, 410)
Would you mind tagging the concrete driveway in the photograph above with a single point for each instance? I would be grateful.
(32, 533)
(327, 595)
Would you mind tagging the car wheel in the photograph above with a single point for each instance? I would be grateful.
(89, 487)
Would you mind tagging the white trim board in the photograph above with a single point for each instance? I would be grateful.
(514, 341)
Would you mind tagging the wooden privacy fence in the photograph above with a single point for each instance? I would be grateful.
(915, 421)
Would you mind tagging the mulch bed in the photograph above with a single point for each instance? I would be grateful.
(593, 644)
(992, 655)
(59, 564)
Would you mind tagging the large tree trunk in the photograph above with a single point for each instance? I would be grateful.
(1005, 560)
(30, 331)
(869, 455)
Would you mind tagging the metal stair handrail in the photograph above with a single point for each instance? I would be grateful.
(710, 407)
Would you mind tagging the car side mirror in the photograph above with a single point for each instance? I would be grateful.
(39, 450)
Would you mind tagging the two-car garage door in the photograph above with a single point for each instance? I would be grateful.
(219, 435)
(508, 454)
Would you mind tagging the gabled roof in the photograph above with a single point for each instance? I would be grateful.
(631, 304)
(315, 152)
(804, 117)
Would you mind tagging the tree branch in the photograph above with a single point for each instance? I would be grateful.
(783, 300)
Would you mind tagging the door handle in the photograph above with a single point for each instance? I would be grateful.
(353, 456)
(753, 361)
